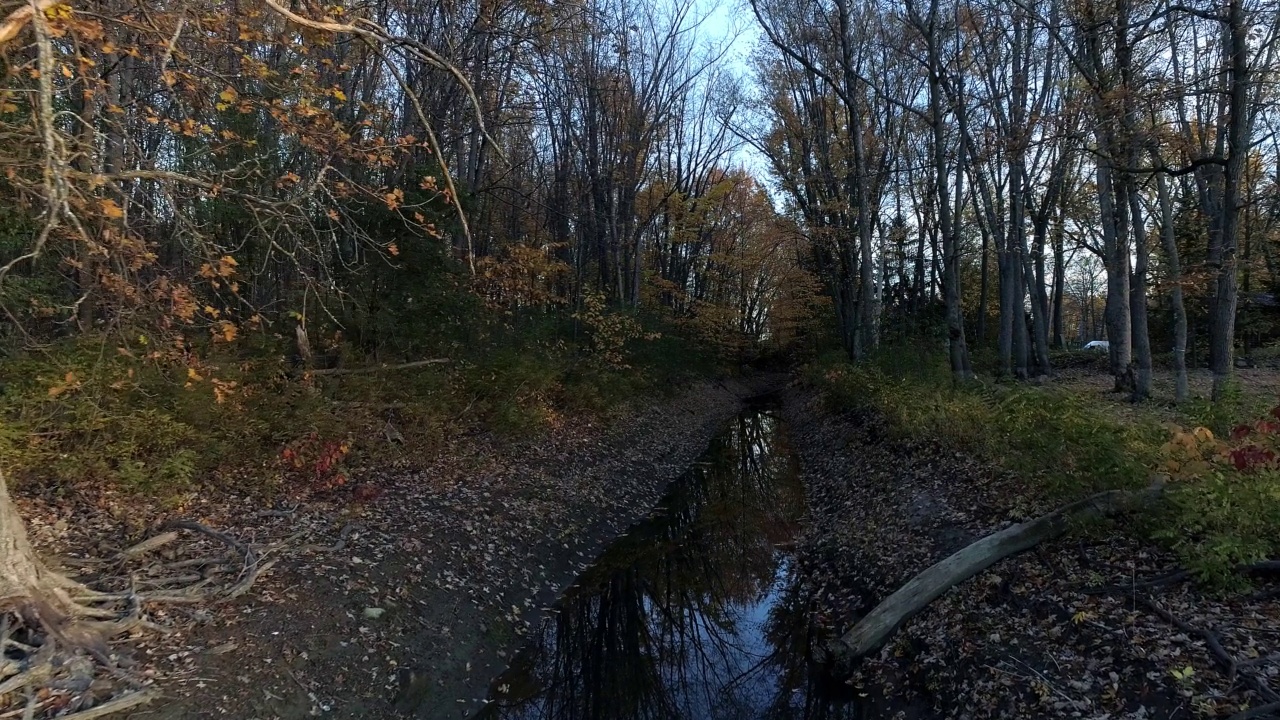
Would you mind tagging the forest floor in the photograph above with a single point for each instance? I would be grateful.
(1259, 390)
(408, 603)
(1035, 635)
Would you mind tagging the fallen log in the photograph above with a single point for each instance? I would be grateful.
(380, 368)
(875, 628)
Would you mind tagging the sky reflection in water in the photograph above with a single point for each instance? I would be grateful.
(697, 614)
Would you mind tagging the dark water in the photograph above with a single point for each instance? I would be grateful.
(699, 613)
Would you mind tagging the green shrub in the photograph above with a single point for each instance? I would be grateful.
(100, 408)
(1223, 510)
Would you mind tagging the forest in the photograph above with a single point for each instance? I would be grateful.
(279, 252)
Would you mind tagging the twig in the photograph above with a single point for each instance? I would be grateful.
(197, 527)
(1220, 653)
(381, 368)
(148, 545)
(125, 702)
(1264, 567)
(243, 586)
(39, 673)
(342, 540)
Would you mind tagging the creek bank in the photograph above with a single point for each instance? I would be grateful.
(408, 604)
(1023, 638)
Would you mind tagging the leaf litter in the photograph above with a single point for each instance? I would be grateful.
(406, 599)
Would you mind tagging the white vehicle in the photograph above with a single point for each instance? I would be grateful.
(1100, 345)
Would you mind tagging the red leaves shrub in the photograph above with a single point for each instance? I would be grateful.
(1257, 445)
(312, 465)
(1250, 448)
(1225, 509)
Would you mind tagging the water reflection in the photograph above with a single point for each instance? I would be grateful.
(699, 613)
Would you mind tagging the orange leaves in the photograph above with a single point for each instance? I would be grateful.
(1192, 454)
(225, 268)
(394, 199)
(110, 209)
(227, 98)
(522, 276)
(222, 389)
(393, 249)
(184, 303)
(69, 382)
(224, 331)
(1188, 453)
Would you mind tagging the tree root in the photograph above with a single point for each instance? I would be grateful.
(1229, 664)
(55, 627)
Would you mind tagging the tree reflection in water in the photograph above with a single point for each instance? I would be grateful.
(697, 614)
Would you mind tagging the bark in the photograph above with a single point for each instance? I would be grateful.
(961, 370)
(1036, 281)
(982, 286)
(1116, 259)
(27, 586)
(1170, 243)
(875, 628)
(1059, 280)
(1222, 248)
(1138, 303)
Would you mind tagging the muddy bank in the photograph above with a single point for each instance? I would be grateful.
(1027, 638)
(410, 604)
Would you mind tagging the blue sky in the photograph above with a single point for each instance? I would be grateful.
(732, 21)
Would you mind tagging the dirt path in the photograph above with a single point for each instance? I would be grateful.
(1022, 639)
(409, 604)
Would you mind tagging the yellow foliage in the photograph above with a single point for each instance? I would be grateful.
(110, 209)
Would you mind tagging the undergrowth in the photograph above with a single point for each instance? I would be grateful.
(107, 408)
(1216, 515)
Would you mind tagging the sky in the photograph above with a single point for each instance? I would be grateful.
(732, 21)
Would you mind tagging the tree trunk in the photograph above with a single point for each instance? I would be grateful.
(1222, 250)
(1170, 243)
(1138, 302)
(876, 626)
(1059, 281)
(1116, 260)
(982, 286)
(27, 586)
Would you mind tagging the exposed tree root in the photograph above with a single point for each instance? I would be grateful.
(875, 628)
(1229, 664)
(54, 631)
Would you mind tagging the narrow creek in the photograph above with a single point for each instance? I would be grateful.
(698, 613)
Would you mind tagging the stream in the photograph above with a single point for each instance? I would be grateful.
(697, 613)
